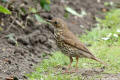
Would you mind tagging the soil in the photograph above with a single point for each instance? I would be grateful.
(35, 40)
(88, 74)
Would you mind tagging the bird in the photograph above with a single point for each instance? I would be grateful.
(69, 44)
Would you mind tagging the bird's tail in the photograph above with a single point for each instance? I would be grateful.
(96, 59)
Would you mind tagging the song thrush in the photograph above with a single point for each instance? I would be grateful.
(69, 44)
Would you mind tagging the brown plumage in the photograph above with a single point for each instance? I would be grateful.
(69, 44)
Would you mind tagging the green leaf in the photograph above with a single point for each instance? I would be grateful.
(4, 10)
(72, 11)
(45, 4)
(66, 15)
(47, 7)
(83, 13)
(33, 10)
(23, 10)
(48, 1)
(5, 0)
(1, 29)
(39, 19)
(11, 36)
(109, 3)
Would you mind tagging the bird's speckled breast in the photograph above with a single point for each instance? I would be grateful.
(65, 48)
(58, 38)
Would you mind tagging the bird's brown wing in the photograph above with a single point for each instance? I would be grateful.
(71, 39)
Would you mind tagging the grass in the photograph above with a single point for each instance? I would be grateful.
(104, 44)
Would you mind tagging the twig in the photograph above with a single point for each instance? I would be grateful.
(34, 13)
(20, 24)
(11, 24)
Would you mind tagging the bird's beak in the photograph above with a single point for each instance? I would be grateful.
(50, 21)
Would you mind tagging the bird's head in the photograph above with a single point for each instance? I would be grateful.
(57, 23)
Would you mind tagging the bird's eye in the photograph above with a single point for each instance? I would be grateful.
(55, 22)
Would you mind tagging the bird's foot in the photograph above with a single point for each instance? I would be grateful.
(74, 70)
(66, 71)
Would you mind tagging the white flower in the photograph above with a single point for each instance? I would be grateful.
(81, 26)
(118, 30)
(105, 38)
(109, 35)
(84, 64)
(115, 35)
(111, 3)
(98, 1)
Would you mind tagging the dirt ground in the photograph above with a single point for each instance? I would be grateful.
(35, 40)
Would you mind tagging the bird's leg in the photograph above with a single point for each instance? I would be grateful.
(77, 58)
(69, 66)
(71, 60)
(76, 66)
